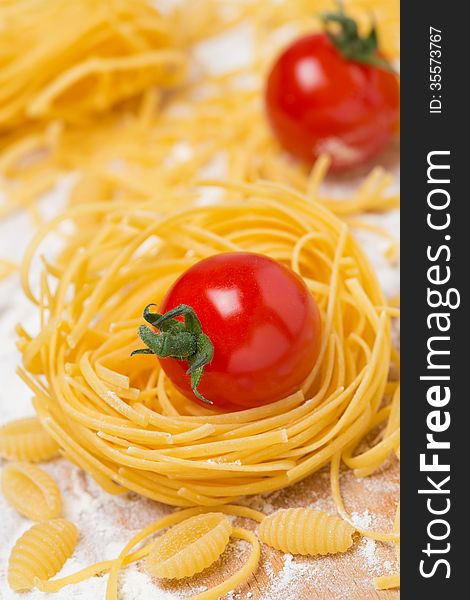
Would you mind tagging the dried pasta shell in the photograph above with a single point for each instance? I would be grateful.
(189, 547)
(306, 531)
(41, 552)
(31, 491)
(387, 582)
(25, 439)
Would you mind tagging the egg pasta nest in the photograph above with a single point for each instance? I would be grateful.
(121, 420)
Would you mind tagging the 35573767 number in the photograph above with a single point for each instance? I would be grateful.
(435, 70)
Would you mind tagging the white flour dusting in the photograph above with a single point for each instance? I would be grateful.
(363, 520)
(137, 585)
(368, 549)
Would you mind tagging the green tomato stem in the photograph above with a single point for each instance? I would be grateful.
(181, 340)
(350, 44)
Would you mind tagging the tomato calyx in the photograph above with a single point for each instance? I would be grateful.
(347, 40)
(181, 340)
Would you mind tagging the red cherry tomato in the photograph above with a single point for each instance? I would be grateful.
(319, 102)
(264, 325)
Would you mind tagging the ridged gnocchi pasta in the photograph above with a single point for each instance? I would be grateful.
(31, 491)
(41, 552)
(306, 531)
(25, 439)
(189, 547)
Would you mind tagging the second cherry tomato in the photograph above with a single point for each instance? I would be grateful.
(318, 101)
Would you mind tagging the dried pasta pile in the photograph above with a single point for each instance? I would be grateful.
(194, 538)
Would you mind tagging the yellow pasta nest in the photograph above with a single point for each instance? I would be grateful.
(26, 439)
(306, 531)
(41, 552)
(31, 491)
(83, 57)
(189, 547)
(121, 420)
